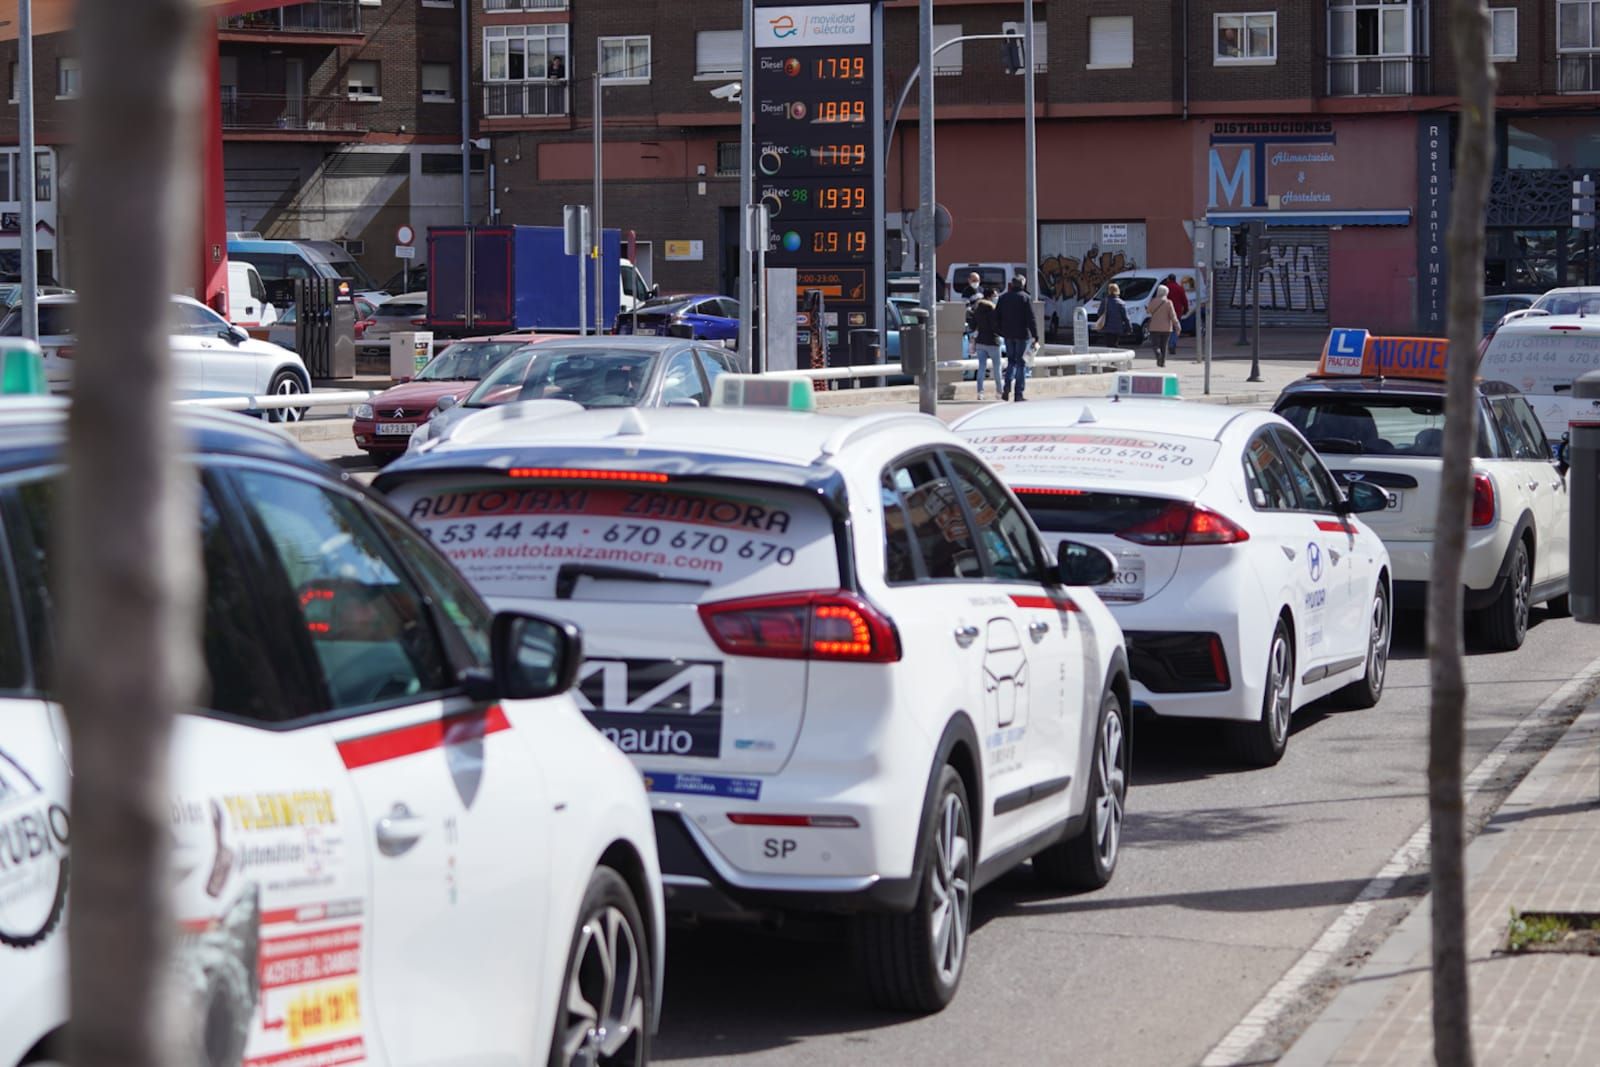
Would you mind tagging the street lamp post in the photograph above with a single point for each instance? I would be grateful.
(599, 231)
(1029, 165)
(25, 164)
(928, 383)
(747, 354)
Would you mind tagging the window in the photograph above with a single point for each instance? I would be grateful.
(625, 59)
(1001, 526)
(192, 321)
(714, 366)
(898, 555)
(1578, 25)
(67, 78)
(436, 83)
(361, 79)
(1531, 428)
(1369, 28)
(938, 526)
(43, 183)
(1245, 38)
(13, 661)
(467, 621)
(1110, 41)
(718, 54)
(949, 60)
(525, 53)
(1313, 485)
(681, 381)
(1503, 37)
(372, 635)
(1524, 437)
(1266, 474)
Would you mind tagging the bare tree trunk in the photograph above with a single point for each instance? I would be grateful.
(1452, 1012)
(128, 541)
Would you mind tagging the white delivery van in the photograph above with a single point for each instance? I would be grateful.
(1542, 355)
(248, 305)
(1137, 286)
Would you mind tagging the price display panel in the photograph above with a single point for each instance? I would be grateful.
(817, 135)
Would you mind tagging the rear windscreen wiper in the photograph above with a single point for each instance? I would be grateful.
(568, 574)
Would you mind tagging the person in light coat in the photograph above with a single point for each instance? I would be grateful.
(1162, 323)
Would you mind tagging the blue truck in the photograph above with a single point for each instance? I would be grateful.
(495, 279)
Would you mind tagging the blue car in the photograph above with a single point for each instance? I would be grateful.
(709, 317)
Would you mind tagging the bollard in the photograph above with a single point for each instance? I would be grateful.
(1080, 330)
(1583, 481)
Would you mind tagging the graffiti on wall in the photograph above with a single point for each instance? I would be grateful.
(1294, 279)
(1074, 278)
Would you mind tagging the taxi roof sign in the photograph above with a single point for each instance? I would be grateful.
(1358, 354)
(22, 368)
(1146, 384)
(758, 391)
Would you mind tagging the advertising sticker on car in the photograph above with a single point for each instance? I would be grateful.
(1062, 457)
(654, 707)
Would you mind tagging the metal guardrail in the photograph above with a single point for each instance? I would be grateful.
(1118, 358)
(329, 398)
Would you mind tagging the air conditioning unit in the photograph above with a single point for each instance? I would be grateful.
(353, 246)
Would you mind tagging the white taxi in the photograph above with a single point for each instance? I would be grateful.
(395, 839)
(1375, 413)
(837, 649)
(1245, 585)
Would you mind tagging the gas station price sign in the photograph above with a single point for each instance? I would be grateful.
(817, 134)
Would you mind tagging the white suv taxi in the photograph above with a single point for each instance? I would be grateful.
(837, 649)
(1375, 413)
(394, 837)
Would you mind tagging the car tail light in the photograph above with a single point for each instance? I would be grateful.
(1185, 524)
(824, 822)
(579, 474)
(813, 626)
(1482, 500)
(361, 328)
(420, 320)
(1219, 661)
(66, 352)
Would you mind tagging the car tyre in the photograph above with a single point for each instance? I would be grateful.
(913, 961)
(1261, 743)
(603, 1016)
(1504, 623)
(1089, 859)
(1380, 622)
(286, 383)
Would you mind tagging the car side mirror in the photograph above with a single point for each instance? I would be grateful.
(445, 403)
(234, 335)
(1362, 497)
(683, 402)
(531, 657)
(1081, 564)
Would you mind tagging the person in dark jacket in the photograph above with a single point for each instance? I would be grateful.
(1015, 314)
(986, 338)
(1113, 320)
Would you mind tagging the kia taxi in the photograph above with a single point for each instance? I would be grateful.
(395, 839)
(837, 649)
(1245, 585)
(1375, 412)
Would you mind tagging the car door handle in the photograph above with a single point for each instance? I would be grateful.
(1038, 628)
(398, 831)
(1533, 485)
(965, 635)
(1558, 485)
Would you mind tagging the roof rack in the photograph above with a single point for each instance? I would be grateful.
(864, 425)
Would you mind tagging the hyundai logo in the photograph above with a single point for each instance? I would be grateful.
(1314, 560)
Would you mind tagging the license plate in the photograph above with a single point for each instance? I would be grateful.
(1127, 584)
(396, 429)
(1395, 500)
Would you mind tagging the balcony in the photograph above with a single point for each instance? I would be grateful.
(310, 117)
(524, 5)
(1579, 72)
(519, 100)
(320, 18)
(1378, 75)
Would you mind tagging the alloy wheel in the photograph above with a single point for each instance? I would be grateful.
(1279, 684)
(1378, 651)
(1114, 782)
(1522, 594)
(288, 385)
(950, 880)
(604, 1013)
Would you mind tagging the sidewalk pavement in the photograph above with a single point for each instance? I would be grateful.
(1539, 853)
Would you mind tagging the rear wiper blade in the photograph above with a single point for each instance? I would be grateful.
(568, 574)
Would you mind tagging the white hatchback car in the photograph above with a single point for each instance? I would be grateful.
(210, 356)
(396, 840)
(852, 676)
(1245, 586)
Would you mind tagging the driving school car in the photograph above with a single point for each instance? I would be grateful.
(1244, 585)
(853, 679)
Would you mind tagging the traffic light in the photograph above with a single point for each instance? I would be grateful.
(1583, 204)
(1015, 61)
(1241, 244)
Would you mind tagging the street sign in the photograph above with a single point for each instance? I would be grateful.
(575, 227)
(817, 135)
(942, 223)
(405, 235)
(405, 252)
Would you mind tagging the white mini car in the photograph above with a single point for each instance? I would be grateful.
(1245, 586)
(838, 650)
(396, 840)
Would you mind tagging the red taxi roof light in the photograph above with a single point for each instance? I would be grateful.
(581, 474)
(1185, 524)
(812, 626)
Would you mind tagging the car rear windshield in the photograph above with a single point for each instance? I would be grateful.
(395, 309)
(558, 539)
(1373, 425)
(1586, 302)
(1067, 458)
(1091, 513)
(595, 377)
(467, 361)
(55, 320)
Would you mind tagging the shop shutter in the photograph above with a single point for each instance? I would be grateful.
(1294, 284)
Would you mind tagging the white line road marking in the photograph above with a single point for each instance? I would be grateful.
(1288, 991)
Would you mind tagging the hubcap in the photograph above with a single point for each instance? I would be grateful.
(950, 880)
(605, 1012)
(1378, 658)
(289, 387)
(1114, 783)
(1521, 596)
(1278, 683)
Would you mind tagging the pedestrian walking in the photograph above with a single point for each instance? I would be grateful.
(1113, 320)
(1015, 313)
(986, 338)
(1162, 322)
(1180, 306)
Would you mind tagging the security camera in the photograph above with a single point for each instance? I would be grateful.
(729, 92)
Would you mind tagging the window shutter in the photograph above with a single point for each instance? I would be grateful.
(717, 52)
(1111, 41)
(948, 61)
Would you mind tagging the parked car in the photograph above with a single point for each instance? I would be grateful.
(393, 834)
(1542, 355)
(383, 425)
(837, 649)
(398, 314)
(707, 317)
(1137, 287)
(1496, 306)
(211, 356)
